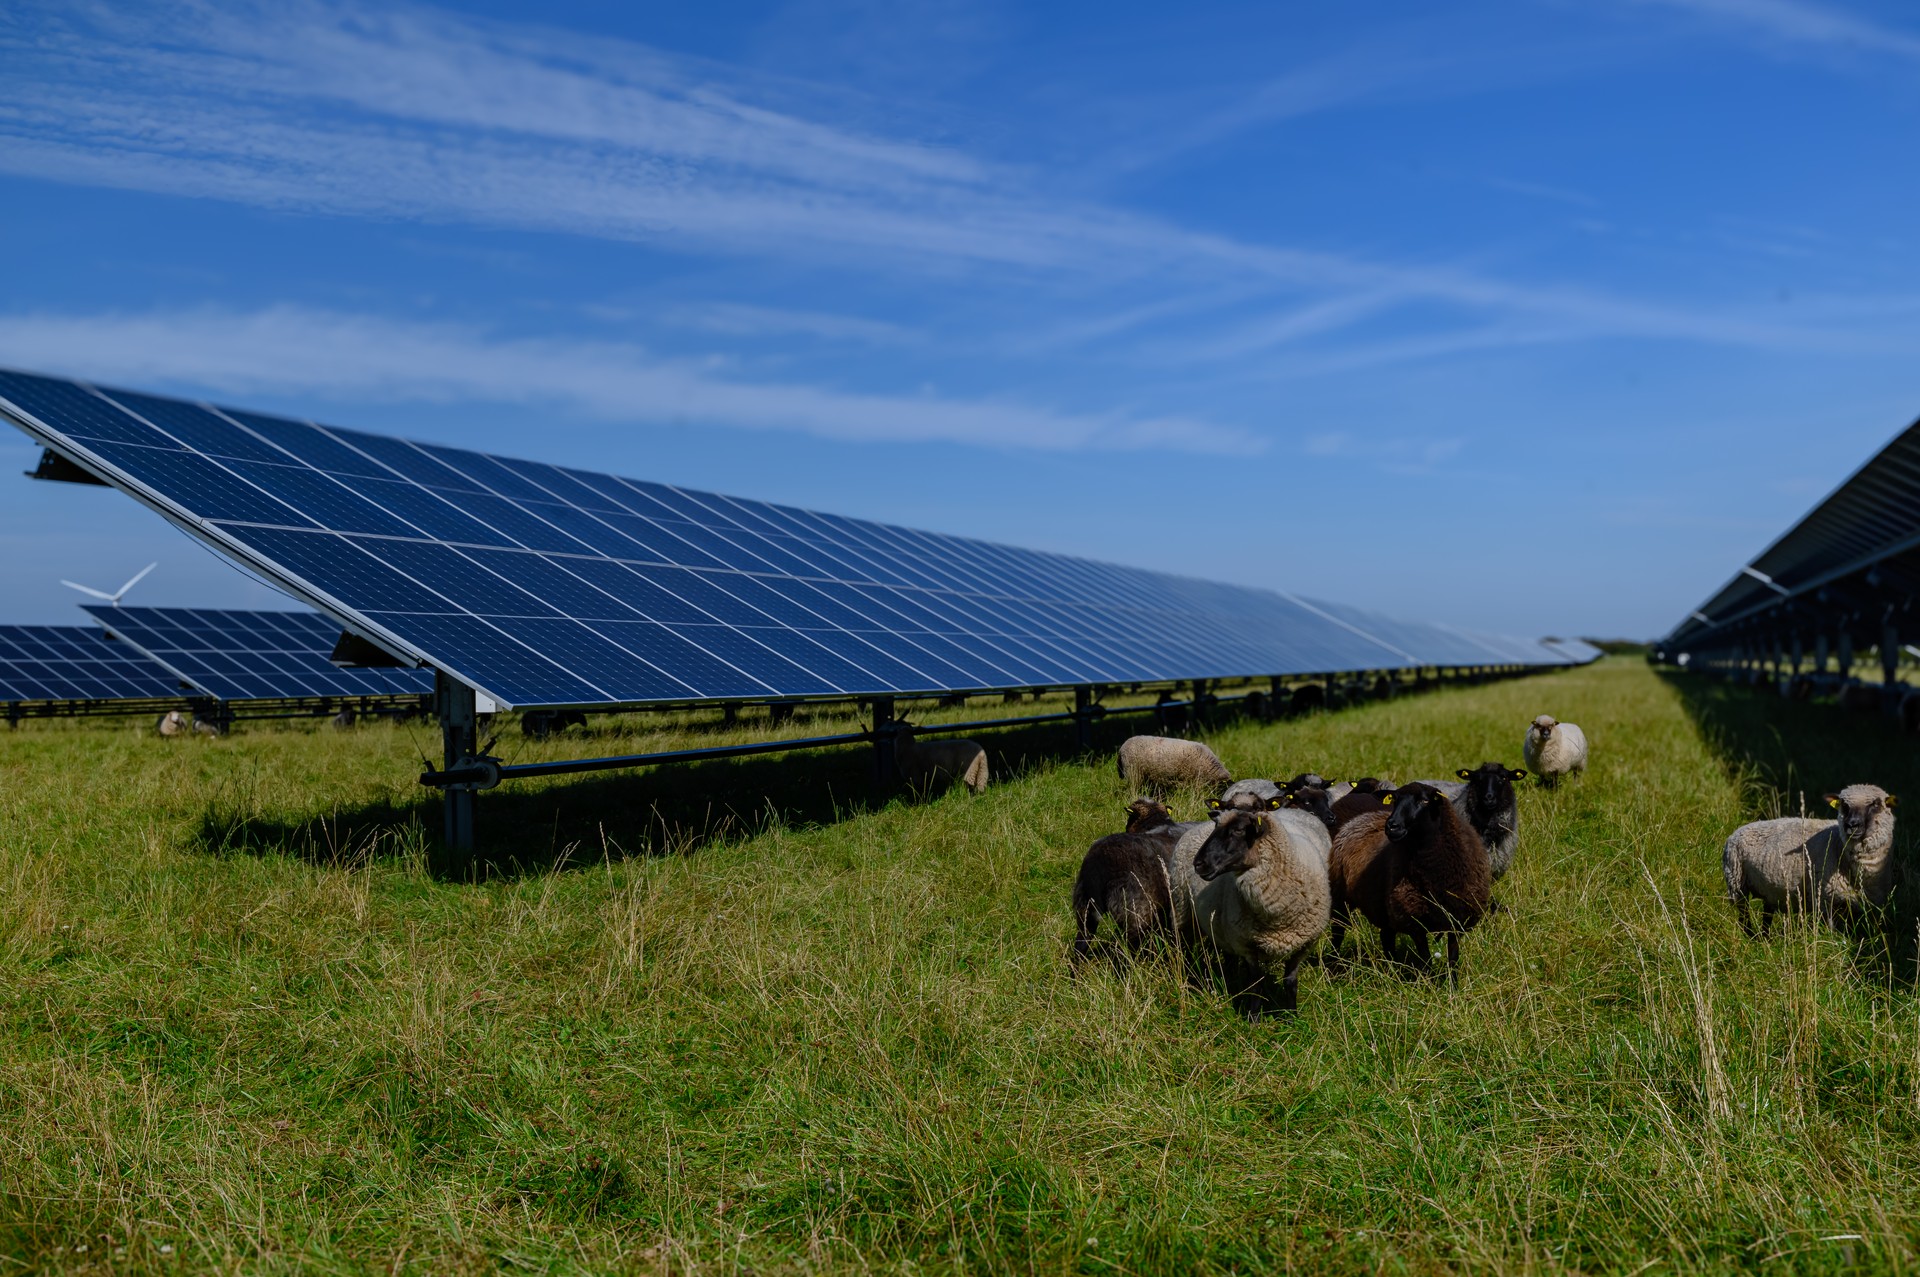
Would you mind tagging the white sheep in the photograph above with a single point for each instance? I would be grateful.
(1158, 764)
(1843, 867)
(1554, 749)
(1256, 895)
(936, 764)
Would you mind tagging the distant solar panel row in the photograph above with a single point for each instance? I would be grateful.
(76, 663)
(542, 585)
(239, 656)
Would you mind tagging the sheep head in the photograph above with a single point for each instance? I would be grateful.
(1859, 807)
(1315, 801)
(1144, 814)
(1543, 726)
(1411, 808)
(1305, 780)
(1490, 785)
(1234, 845)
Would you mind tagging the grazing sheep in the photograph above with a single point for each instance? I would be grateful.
(939, 763)
(1157, 764)
(1553, 749)
(1263, 901)
(173, 723)
(1124, 877)
(1844, 866)
(1305, 779)
(1416, 868)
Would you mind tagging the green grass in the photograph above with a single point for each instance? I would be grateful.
(240, 1018)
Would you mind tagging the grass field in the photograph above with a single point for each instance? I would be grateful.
(243, 1024)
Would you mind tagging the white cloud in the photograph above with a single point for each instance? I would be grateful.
(342, 357)
(409, 114)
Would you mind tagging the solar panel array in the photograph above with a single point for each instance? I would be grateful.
(1872, 518)
(542, 585)
(244, 656)
(76, 663)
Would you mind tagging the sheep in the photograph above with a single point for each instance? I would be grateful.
(1416, 868)
(1485, 796)
(173, 723)
(1305, 779)
(1553, 749)
(1157, 764)
(1843, 866)
(1259, 787)
(1124, 877)
(1263, 902)
(1315, 802)
(1357, 802)
(938, 763)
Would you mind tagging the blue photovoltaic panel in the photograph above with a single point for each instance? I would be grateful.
(77, 663)
(542, 585)
(248, 656)
(1578, 651)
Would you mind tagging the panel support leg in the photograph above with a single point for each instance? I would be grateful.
(1083, 718)
(1846, 656)
(453, 702)
(886, 772)
(1890, 653)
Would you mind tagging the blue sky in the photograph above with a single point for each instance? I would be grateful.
(1531, 315)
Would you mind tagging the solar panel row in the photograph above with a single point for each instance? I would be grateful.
(240, 656)
(76, 663)
(543, 585)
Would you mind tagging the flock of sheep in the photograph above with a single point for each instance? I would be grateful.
(1249, 891)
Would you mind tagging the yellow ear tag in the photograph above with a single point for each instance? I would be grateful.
(1464, 774)
(1274, 804)
(1833, 802)
(1892, 801)
(1386, 800)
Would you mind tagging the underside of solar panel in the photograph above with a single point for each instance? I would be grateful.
(540, 585)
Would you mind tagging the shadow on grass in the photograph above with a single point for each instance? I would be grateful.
(534, 827)
(1787, 754)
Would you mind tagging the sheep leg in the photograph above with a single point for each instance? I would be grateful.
(1390, 944)
(1255, 998)
(1423, 948)
(1741, 912)
(1766, 920)
(1089, 920)
(1453, 957)
(1290, 984)
(1336, 935)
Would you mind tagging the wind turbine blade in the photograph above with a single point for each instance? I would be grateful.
(88, 589)
(135, 580)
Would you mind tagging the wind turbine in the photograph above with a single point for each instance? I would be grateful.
(113, 598)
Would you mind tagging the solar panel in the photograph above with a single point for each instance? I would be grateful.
(244, 656)
(76, 663)
(541, 585)
(1578, 651)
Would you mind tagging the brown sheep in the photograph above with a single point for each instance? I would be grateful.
(1416, 868)
(1124, 877)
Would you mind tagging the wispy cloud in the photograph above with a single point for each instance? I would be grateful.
(740, 320)
(405, 113)
(339, 357)
(1809, 24)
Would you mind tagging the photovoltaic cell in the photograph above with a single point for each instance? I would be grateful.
(77, 663)
(246, 656)
(547, 586)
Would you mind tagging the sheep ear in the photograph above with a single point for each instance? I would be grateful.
(1518, 773)
(1386, 800)
(1892, 801)
(1464, 774)
(1833, 800)
(1213, 804)
(1275, 803)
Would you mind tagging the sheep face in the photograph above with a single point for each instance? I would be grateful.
(1233, 846)
(1490, 785)
(1144, 814)
(1857, 807)
(1411, 808)
(1313, 799)
(1368, 785)
(1306, 780)
(1543, 727)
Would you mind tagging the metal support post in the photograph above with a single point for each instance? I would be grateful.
(1890, 653)
(453, 703)
(1846, 656)
(886, 772)
(1821, 652)
(1083, 717)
